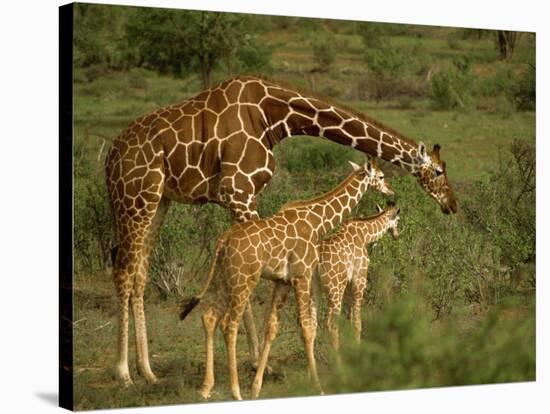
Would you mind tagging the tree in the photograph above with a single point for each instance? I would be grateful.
(98, 30)
(506, 42)
(179, 41)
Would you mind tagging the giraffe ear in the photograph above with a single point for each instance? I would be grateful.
(378, 208)
(354, 166)
(422, 153)
(369, 164)
(435, 151)
(396, 214)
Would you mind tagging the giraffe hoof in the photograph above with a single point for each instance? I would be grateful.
(127, 382)
(149, 376)
(268, 369)
(206, 393)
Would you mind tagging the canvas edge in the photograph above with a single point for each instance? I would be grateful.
(66, 395)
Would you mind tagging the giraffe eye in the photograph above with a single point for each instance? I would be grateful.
(438, 172)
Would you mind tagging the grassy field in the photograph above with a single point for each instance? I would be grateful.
(449, 284)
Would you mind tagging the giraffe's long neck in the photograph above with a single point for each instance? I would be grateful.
(291, 113)
(370, 230)
(330, 209)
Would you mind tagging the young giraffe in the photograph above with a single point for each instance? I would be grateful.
(284, 249)
(217, 147)
(344, 259)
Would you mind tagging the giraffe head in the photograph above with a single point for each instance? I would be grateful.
(373, 175)
(393, 218)
(432, 175)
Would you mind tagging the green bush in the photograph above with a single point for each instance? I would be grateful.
(404, 350)
(502, 206)
(184, 248)
(324, 52)
(526, 92)
(452, 88)
(387, 60)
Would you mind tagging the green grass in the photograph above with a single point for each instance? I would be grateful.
(473, 142)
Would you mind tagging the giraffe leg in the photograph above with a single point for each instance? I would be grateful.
(333, 312)
(142, 352)
(121, 369)
(301, 286)
(279, 295)
(243, 208)
(358, 286)
(238, 298)
(209, 322)
(126, 268)
(251, 335)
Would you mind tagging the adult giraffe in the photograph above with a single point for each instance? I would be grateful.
(217, 147)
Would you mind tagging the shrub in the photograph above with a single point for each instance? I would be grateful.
(324, 52)
(526, 92)
(453, 88)
(502, 206)
(404, 350)
(184, 248)
(387, 60)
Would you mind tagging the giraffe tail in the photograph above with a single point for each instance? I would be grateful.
(189, 304)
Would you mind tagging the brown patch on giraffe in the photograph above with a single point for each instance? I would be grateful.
(203, 96)
(194, 151)
(210, 164)
(190, 178)
(388, 139)
(341, 113)
(255, 154)
(178, 160)
(253, 119)
(148, 150)
(233, 91)
(259, 179)
(169, 141)
(303, 107)
(200, 128)
(216, 101)
(233, 147)
(406, 157)
(253, 93)
(136, 173)
(228, 122)
(173, 115)
(298, 124)
(328, 118)
(148, 119)
(390, 150)
(274, 110)
(200, 190)
(184, 128)
(242, 182)
(354, 128)
(284, 94)
(160, 124)
(373, 132)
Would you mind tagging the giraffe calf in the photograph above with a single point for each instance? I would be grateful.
(344, 260)
(282, 248)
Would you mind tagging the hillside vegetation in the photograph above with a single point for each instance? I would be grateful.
(451, 302)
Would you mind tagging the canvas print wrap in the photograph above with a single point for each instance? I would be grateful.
(235, 178)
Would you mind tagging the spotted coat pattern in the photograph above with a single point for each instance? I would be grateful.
(344, 261)
(282, 248)
(217, 147)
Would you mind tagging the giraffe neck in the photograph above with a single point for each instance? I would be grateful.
(330, 209)
(290, 113)
(371, 229)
